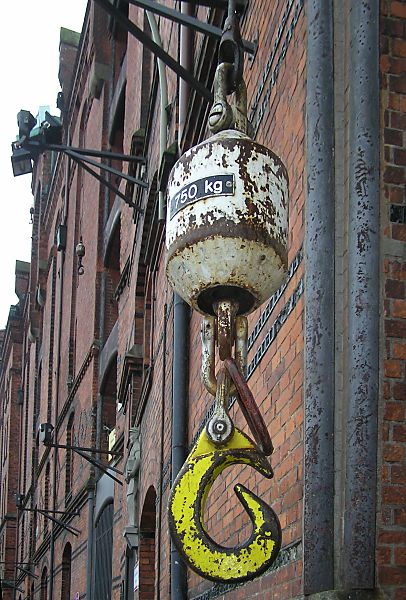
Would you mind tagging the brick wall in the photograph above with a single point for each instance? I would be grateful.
(62, 362)
(391, 547)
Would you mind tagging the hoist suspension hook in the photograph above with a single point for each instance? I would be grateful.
(221, 445)
(186, 512)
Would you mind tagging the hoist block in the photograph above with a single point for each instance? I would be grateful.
(227, 221)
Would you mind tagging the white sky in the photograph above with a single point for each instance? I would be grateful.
(29, 55)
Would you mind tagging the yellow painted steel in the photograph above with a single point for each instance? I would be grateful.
(186, 510)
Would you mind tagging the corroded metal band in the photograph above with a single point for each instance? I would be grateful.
(249, 408)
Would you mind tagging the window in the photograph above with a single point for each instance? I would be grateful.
(66, 572)
(44, 583)
(46, 497)
(147, 547)
(104, 553)
(69, 459)
(109, 402)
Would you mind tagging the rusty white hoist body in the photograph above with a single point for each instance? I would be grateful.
(226, 254)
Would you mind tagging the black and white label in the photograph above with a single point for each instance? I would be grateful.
(215, 185)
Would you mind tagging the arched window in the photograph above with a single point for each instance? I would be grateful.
(147, 547)
(46, 496)
(69, 459)
(66, 572)
(44, 584)
(109, 400)
(112, 264)
(104, 553)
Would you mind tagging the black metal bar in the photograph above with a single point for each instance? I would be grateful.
(101, 466)
(80, 158)
(30, 573)
(41, 146)
(241, 4)
(75, 156)
(59, 522)
(59, 512)
(9, 586)
(183, 19)
(5, 562)
(84, 449)
(157, 50)
(109, 185)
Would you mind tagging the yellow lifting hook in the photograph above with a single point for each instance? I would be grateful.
(219, 446)
(186, 508)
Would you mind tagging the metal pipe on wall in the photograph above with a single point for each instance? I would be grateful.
(363, 296)
(180, 375)
(180, 369)
(181, 320)
(318, 563)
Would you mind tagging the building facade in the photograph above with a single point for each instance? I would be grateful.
(101, 360)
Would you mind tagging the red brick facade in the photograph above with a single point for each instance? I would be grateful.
(391, 546)
(93, 353)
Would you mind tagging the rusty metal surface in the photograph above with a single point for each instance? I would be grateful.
(359, 543)
(224, 115)
(226, 311)
(241, 343)
(208, 354)
(249, 408)
(235, 241)
(318, 565)
(208, 337)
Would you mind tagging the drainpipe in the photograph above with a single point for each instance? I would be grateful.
(181, 312)
(161, 458)
(181, 335)
(180, 380)
(318, 563)
(363, 296)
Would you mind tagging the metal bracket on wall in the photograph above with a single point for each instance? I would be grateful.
(146, 41)
(94, 461)
(188, 21)
(81, 157)
(11, 565)
(45, 513)
(241, 5)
